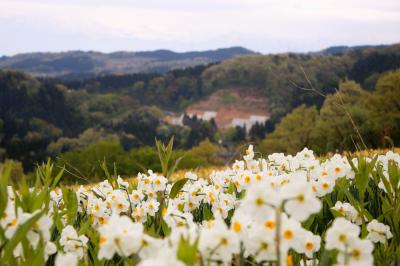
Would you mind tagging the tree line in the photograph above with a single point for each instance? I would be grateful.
(312, 99)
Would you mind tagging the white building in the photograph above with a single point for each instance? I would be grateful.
(249, 122)
(203, 115)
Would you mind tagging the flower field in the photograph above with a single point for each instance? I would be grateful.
(277, 210)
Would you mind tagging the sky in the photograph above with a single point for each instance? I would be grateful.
(266, 26)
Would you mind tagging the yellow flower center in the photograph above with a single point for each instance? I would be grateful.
(224, 241)
(14, 222)
(209, 223)
(300, 198)
(356, 254)
(102, 240)
(237, 227)
(342, 238)
(264, 245)
(259, 201)
(102, 220)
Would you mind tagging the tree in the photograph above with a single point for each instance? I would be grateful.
(34, 113)
(86, 163)
(293, 133)
(385, 103)
(257, 131)
(87, 137)
(199, 130)
(141, 123)
(345, 121)
(209, 151)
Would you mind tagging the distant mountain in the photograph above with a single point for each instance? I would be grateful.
(79, 63)
(341, 49)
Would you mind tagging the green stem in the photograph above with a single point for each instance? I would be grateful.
(278, 236)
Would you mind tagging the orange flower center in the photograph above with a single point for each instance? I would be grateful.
(309, 246)
(269, 224)
(288, 234)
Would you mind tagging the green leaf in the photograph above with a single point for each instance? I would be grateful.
(4, 175)
(207, 213)
(335, 213)
(177, 187)
(37, 255)
(107, 173)
(387, 185)
(165, 228)
(40, 199)
(84, 227)
(394, 174)
(57, 178)
(173, 168)
(362, 176)
(164, 154)
(71, 203)
(327, 258)
(187, 252)
(231, 189)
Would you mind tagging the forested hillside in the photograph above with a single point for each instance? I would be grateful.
(350, 97)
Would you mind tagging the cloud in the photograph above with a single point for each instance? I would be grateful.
(192, 24)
